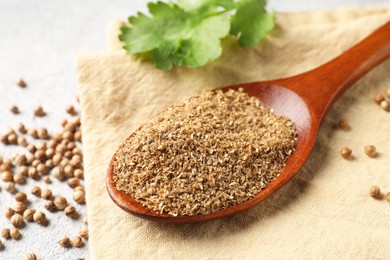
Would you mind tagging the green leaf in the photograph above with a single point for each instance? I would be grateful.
(189, 33)
(251, 22)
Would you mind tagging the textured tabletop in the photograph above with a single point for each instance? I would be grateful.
(39, 40)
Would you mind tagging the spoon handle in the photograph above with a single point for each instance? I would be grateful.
(324, 84)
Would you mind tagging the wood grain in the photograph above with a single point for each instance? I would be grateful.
(305, 99)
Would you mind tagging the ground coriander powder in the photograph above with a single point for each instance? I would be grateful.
(206, 153)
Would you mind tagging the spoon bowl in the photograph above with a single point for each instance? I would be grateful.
(304, 98)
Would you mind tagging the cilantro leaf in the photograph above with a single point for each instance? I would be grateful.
(251, 22)
(188, 33)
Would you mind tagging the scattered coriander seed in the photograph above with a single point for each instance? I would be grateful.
(39, 217)
(10, 187)
(69, 171)
(60, 202)
(33, 133)
(28, 214)
(68, 135)
(19, 178)
(84, 233)
(14, 109)
(20, 159)
(19, 207)
(343, 124)
(9, 212)
(388, 196)
(73, 182)
(379, 98)
(49, 164)
(370, 150)
(49, 205)
(5, 233)
(42, 168)
(21, 128)
(39, 112)
(46, 179)
(35, 163)
(21, 196)
(30, 256)
(79, 188)
(36, 191)
(4, 139)
(68, 154)
(22, 141)
(50, 153)
(79, 196)
(384, 104)
(46, 194)
(23, 170)
(64, 122)
(43, 134)
(58, 173)
(17, 220)
(12, 139)
(52, 143)
(21, 83)
(65, 242)
(78, 136)
(42, 146)
(40, 155)
(33, 173)
(70, 211)
(71, 110)
(345, 152)
(30, 158)
(57, 158)
(77, 242)
(7, 176)
(375, 192)
(78, 173)
(15, 233)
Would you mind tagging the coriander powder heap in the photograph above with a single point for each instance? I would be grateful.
(208, 152)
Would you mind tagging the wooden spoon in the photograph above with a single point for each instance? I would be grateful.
(305, 99)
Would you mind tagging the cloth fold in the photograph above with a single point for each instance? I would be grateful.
(324, 211)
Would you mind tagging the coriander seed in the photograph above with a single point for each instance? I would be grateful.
(375, 192)
(43, 134)
(70, 211)
(36, 191)
(69, 170)
(21, 196)
(21, 128)
(65, 242)
(7, 176)
(42, 168)
(77, 242)
(46, 179)
(19, 178)
(17, 220)
(78, 173)
(84, 233)
(33, 173)
(73, 182)
(15, 233)
(12, 139)
(346, 152)
(33, 133)
(343, 124)
(9, 212)
(79, 196)
(5, 233)
(22, 141)
(49, 205)
(19, 207)
(46, 194)
(39, 217)
(39, 112)
(71, 110)
(21, 83)
(10, 187)
(384, 104)
(28, 214)
(23, 170)
(58, 173)
(20, 159)
(370, 150)
(60, 202)
(379, 98)
(14, 109)
(30, 256)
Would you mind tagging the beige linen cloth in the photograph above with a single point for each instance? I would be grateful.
(324, 212)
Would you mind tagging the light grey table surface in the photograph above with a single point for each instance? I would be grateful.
(38, 42)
